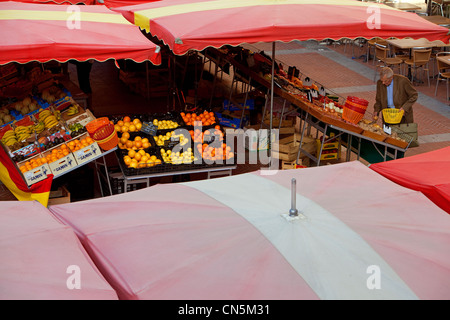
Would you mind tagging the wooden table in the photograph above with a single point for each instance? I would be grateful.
(439, 20)
(403, 6)
(444, 59)
(416, 43)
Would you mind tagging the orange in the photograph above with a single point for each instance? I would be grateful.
(117, 128)
(126, 135)
(123, 140)
(138, 138)
(120, 123)
(144, 159)
(136, 121)
(132, 128)
(131, 153)
(145, 145)
(142, 152)
(138, 156)
(144, 140)
(126, 119)
(127, 160)
(129, 144)
(138, 144)
(124, 129)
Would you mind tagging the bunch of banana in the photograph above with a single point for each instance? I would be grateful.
(39, 127)
(23, 132)
(48, 118)
(9, 138)
(73, 109)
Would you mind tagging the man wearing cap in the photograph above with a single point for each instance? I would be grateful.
(395, 91)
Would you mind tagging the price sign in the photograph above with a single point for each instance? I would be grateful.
(387, 129)
(149, 128)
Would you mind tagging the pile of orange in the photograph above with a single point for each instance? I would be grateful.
(137, 143)
(77, 144)
(57, 153)
(126, 125)
(212, 153)
(140, 159)
(198, 136)
(202, 119)
(33, 163)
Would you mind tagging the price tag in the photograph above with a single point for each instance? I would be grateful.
(149, 128)
(387, 129)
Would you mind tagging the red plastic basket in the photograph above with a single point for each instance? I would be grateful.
(106, 137)
(96, 124)
(354, 109)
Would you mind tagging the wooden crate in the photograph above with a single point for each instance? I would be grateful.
(60, 196)
(288, 147)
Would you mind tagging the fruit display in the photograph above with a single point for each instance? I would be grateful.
(211, 152)
(185, 157)
(139, 159)
(48, 118)
(77, 144)
(52, 94)
(128, 125)
(33, 163)
(76, 129)
(161, 139)
(165, 124)
(208, 135)
(136, 143)
(204, 118)
(73, 110)
(57, 153)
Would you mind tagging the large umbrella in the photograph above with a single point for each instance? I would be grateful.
(427, 172)
(357, 235)
(43, 32)
(194, 25)
(197, 24)
(87, 2)
(43, 259)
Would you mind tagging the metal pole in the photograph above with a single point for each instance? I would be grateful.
(293, 212)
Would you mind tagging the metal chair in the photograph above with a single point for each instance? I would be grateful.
(420, 59)
(371, 45)
(381, 54)
(442, 71)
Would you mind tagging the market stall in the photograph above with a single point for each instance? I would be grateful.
(42, 126)
(43, 259)
(352, 237)
(426, 172)
(200, 25)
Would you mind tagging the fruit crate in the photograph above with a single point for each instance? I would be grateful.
(330, 150)
(140, 169)
(34, 173)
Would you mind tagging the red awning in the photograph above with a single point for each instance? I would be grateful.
(88, 2)
(122, 3)
(427, 172)
(43, 32)
(196, 24)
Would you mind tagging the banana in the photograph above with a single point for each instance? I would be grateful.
(8, 134)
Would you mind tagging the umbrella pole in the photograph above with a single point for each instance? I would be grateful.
(271, 101)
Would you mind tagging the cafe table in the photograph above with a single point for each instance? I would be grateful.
(403, 6)
(439, 20)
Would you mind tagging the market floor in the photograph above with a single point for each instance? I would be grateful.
(339, 67)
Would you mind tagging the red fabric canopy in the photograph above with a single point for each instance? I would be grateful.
(43, 32)
(121, 3)
(88, 2)
(196, 24)
(428, 172)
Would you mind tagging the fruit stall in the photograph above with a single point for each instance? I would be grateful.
(42, 128)
(344, 117)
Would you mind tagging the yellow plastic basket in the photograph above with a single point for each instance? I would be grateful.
(392, 116)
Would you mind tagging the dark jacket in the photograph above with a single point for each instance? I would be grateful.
(405, 95)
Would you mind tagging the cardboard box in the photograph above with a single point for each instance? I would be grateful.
(88, 153)
(276, 122)
(63, 165)
(60, 196)
(227, 119)
(37, 174)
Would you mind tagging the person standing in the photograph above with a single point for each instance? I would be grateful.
(395, 91)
